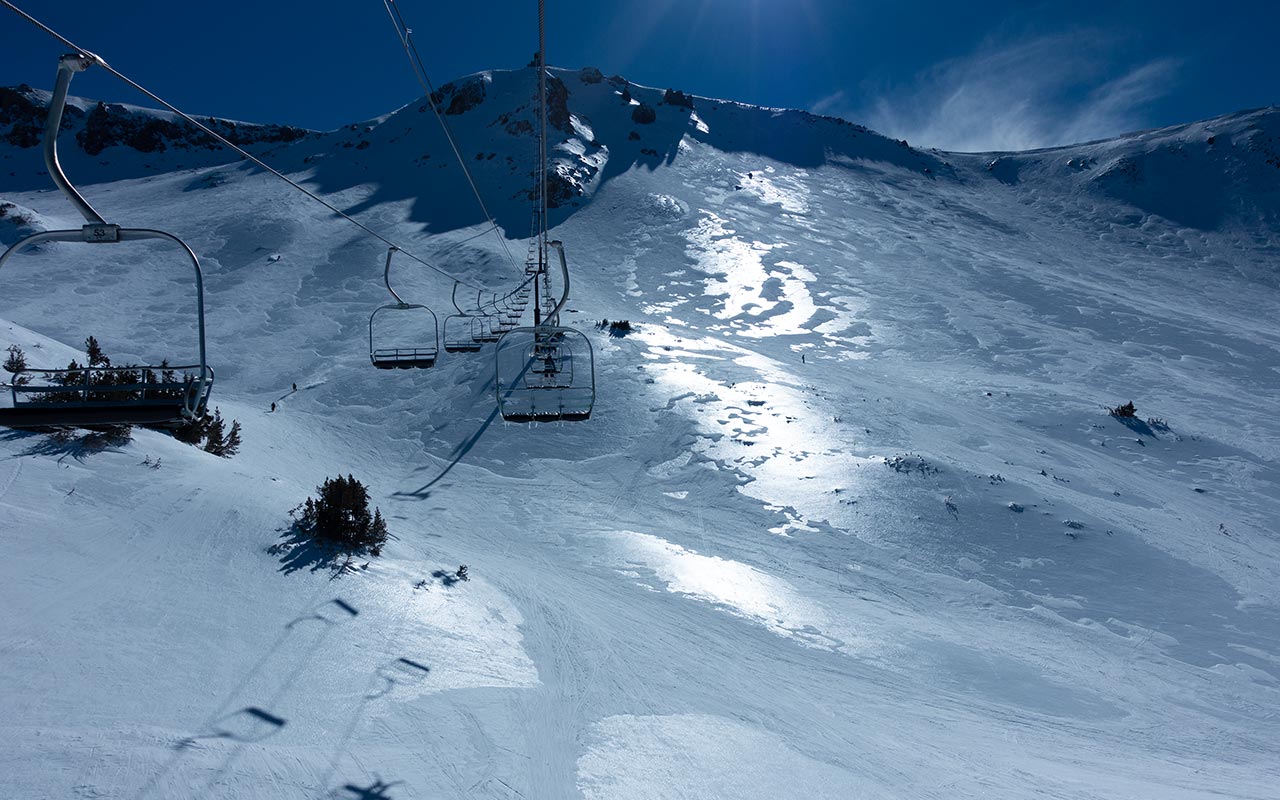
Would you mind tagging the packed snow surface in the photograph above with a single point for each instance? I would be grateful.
(850, 518)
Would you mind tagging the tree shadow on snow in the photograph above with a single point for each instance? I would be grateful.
(74, 442)
(1137, 426)
(374, 791)
(298, 551)
(447, 579)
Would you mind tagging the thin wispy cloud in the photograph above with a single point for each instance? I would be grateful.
(1041, 92)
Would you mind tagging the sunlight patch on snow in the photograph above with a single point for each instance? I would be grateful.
(671, 467)
(788, 193)
(736, 267)
(739, 588)
(698, 755)
(759, 300)
(472, 640)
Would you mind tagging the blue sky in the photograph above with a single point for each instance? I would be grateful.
(977, 75)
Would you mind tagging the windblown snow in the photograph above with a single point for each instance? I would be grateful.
(850, 518)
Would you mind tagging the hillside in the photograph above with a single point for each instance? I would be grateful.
(851, 518)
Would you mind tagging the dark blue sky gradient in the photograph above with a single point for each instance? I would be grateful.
(887, 64)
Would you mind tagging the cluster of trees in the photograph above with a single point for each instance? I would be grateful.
(617, 328)
(340, 517)
(210, 433)
(98, 380)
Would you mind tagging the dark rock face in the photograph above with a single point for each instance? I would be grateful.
(675, 97)
(566, 183)
(591, 75)
(461, 98)
(107, 126)
(558, 105)
(20, 110)
(519, 127)
(644, 114)
(111, 125)
(560, 189)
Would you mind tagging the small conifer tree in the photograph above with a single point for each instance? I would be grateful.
(97, 358)
(215, 434)
(232, 445)
(16, 362)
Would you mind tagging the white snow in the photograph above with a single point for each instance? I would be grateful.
(748, 575)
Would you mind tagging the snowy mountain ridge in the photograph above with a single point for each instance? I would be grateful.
(850, 518)
(1214, 167)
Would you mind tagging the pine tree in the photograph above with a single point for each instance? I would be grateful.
(16, 363)
(191, 431)
(377, 533)
(97, 358)
(17, 360)
(232, 445)
(215, 435)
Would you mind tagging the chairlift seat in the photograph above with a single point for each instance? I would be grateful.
(92, 415)
(423, 347)
(404, 358)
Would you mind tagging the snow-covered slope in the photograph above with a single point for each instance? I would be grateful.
(850, 519)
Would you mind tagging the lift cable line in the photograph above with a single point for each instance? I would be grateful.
(545, 373)
(405, 34)
(98, 61)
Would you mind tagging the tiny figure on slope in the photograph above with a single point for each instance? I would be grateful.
(295, 387)
(273, 407)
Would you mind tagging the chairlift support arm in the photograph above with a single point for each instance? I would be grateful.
(68, 66)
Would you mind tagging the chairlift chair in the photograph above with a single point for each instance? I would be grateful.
(546, 373)
(98, 395)
(485, 332)
(402, 335)
(461, 329)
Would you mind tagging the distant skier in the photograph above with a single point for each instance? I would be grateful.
(802, 358)
(273, 408)
(295, 387)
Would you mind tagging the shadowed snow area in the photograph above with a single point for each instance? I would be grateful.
(850, 518)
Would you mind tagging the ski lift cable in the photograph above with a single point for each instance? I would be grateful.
(227, 143)
(405, 34)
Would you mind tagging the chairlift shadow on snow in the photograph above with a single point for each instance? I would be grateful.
(249, 724)
(459, 452)
(250, 721)
(397, 672)
(401, 671)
